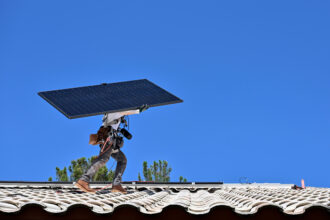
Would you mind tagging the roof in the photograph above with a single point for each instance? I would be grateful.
(196, 199)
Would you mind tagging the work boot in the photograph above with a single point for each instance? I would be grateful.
(118, 188)
(84, 186)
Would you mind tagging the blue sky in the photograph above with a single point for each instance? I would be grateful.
(254, 77)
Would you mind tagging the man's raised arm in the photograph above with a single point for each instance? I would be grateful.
(137, 111)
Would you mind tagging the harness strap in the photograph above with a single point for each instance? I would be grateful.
(105, 143)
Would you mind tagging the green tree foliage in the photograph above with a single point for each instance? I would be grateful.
(182, 180)
(158, 171)
(61, 175)
(145, 170)
(79, 167)
(104, 174)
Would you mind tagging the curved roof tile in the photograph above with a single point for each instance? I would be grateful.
(152, 199)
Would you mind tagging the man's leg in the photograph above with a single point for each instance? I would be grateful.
(120, 168)
(99, 162)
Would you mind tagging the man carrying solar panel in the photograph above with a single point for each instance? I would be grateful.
(119, 98)
(110, 141)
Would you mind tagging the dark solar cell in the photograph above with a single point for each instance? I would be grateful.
(105, 98)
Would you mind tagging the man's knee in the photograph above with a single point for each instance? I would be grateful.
(104, 161)
(98, 165)
(123, 159)
(104, 158)
(119, 157)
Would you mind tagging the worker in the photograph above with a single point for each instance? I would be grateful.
(110, 143)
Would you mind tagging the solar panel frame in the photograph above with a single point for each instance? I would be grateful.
(61, 108)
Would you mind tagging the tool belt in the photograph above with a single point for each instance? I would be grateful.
(100, 137)
(103, 133)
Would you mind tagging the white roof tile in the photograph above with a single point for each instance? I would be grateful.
(151, 199)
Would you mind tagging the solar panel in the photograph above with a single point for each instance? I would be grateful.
(108, 97)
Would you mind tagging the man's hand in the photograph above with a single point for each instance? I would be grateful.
(143, 108)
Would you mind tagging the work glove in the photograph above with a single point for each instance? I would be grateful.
(143, 108)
